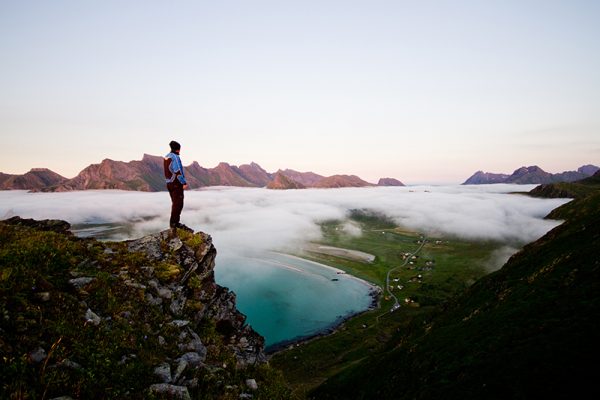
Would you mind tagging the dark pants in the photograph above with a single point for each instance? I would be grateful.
(176, 192)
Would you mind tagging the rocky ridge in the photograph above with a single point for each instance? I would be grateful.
(531, 175)
(35, 179)
(147, 175)
(139, 317)
(563, 190)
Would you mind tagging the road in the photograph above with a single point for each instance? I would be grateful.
(387, 279)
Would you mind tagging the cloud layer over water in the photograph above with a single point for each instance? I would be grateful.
(260, 219)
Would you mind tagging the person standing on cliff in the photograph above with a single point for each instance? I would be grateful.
(176, 184)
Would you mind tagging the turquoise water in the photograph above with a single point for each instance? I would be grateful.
(286, 297)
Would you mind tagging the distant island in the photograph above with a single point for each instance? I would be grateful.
(147, 175)
(531, 175)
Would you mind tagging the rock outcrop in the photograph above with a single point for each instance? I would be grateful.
(192, 270)
(280, 181)
(389, 182)
(35, 179)
(84, 318)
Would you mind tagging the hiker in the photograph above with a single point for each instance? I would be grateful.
(176, 184)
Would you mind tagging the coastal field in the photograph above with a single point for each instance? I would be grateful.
(441, 267)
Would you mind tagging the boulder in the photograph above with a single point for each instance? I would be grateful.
(183, 364)
(79, 283)
(171, 391)
(251, 383)
(193, 359)
(92, 317)
(163, 372)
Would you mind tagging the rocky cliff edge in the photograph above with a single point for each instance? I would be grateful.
(88, 319)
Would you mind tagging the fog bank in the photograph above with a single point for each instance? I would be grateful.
(241, 219)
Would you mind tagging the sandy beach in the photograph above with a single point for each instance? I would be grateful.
(348, 254)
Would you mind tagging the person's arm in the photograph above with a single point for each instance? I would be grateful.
(180, 174)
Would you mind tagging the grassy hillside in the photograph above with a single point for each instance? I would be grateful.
(574, 190)
(526, 331)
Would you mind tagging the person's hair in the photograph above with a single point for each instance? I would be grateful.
(174, 145)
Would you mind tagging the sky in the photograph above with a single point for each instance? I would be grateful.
(427, 91)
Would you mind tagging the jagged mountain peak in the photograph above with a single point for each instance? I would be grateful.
(147, 175)
(528, 170)
(281, 181)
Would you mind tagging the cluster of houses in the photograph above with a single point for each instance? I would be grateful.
(411, 262)
(415, 279)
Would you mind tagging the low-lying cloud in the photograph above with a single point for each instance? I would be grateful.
(259, 219)
(498, 258)
(351, 228)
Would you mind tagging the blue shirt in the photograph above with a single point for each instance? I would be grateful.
(175, 167)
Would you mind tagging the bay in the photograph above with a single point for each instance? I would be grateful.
(287, 298)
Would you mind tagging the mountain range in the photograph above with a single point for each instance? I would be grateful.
(531, 175)
(147, 175)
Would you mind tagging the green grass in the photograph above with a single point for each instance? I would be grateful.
(577, 190)
(456, 265)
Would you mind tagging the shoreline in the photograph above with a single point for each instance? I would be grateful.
(374, 293)
(372, 286)
(348, 254)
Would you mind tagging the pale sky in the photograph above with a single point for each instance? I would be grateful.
(423, 91)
